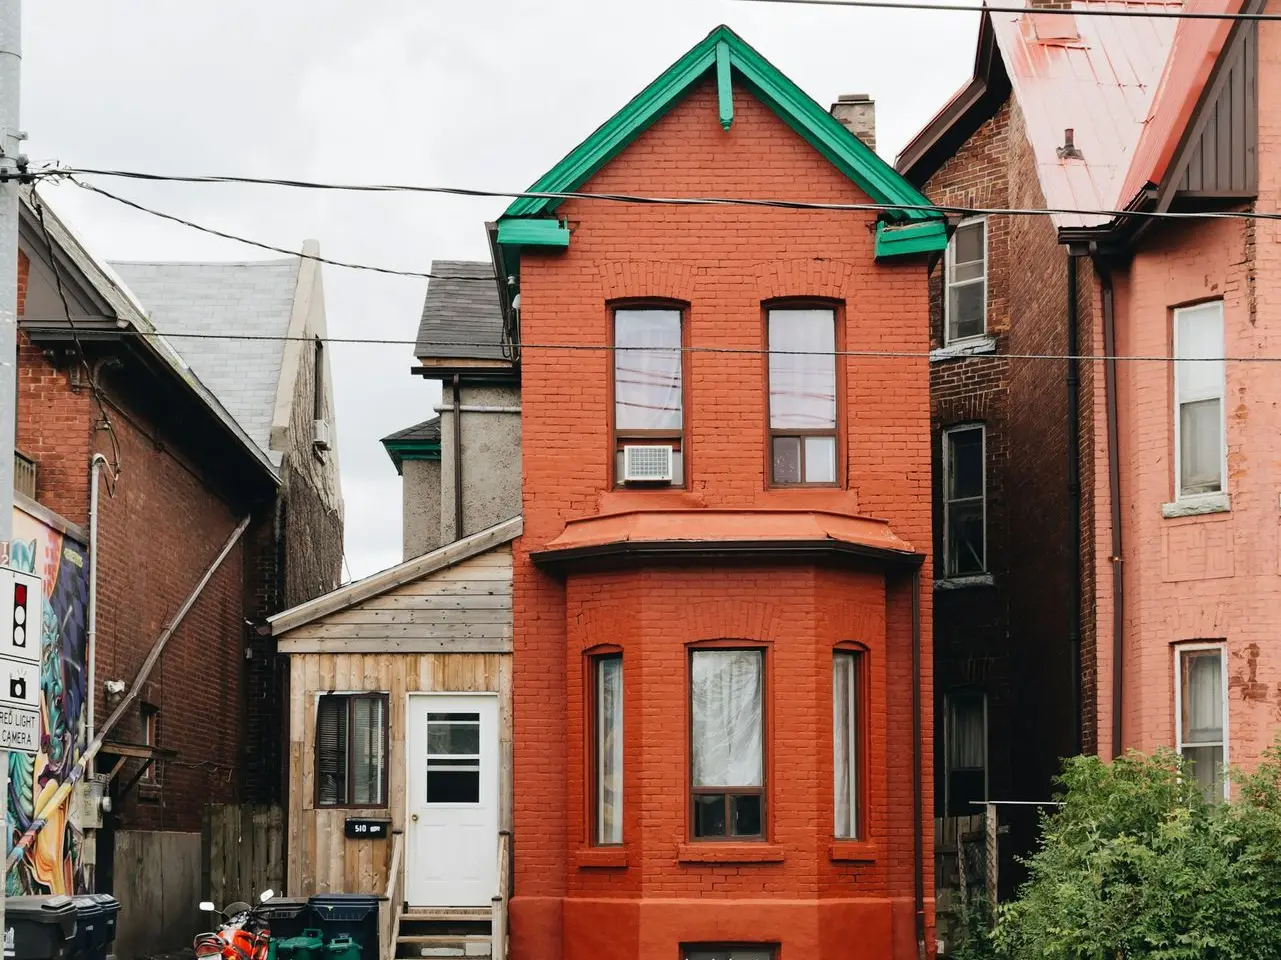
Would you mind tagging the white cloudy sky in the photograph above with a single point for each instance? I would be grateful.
(478, 93)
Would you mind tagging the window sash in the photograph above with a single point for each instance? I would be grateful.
(1200, 434)
(965, 746)
(951, 282)
(648, 371)
(727, 737)
(351, 750)
(802, 369)
(1195, 739)
(961, 507)
(607, 683)
(847, 692)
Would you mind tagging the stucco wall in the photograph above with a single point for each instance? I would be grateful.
(491, 460)
(420, 508)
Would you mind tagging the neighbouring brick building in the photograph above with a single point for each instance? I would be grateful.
(197, 435)
(1125, 586)
(724, 575)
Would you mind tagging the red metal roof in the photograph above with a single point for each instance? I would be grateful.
(1100, 81)
(1197, 45)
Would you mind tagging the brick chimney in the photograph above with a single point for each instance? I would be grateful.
(857, 112)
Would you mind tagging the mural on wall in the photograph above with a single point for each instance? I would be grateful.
(52, 864)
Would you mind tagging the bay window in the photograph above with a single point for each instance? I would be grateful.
(802, 395)
(847, 669)
(607, 744)
(727, 745)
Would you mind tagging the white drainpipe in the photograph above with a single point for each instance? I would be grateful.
(97, 461)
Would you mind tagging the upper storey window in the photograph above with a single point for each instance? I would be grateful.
(965, 302)
(649, 415)
(802, 396)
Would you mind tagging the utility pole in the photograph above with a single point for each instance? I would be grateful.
(10, 160)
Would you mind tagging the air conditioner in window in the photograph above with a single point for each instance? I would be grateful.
(320, 434)
(647, 463)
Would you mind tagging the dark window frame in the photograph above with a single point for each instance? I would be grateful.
(678, 438)
(837, 431)
(770, 947)
(594, 660)
(862, 696)
(348, 752)
(950, 698)
(945, 475)
(149, 714)
(728, 792)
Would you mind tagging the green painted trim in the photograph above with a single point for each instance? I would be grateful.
(402, 450)
(929, 236)
(824, 132)
(724, 88)
(532, 233)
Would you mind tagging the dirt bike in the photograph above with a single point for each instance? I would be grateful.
(242, 935)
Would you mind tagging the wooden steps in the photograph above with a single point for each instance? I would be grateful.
(426, 933)
(444, 945)
(431, 914)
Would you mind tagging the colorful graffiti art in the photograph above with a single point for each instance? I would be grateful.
(52, 865)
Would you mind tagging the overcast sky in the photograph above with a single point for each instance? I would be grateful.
(476, 93)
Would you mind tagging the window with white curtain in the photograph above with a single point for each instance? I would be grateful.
(847, 671)
(351, 750)
(727, 742)
(1201, 696)
(802, 395)
(647, 371)
(965, 752)
(965, 302)
(1199, 446)
(608, 747)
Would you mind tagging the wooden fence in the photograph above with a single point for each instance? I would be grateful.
(243, 851)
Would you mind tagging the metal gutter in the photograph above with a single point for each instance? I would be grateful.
(918, 799)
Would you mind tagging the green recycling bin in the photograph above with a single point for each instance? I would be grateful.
(342, 948)
(307, 946)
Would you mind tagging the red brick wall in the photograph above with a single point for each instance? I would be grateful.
(1010, 639)
(724, 262)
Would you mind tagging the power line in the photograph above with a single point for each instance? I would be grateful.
(740, 351)
(72, 173)
(267, 246)
(1164, 14)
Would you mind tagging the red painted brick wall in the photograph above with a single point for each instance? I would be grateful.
(724, 262)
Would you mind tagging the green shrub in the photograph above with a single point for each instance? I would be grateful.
(1136, 864)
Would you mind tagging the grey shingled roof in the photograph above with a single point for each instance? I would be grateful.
(427, 430)
(461, 312)
(254, 298)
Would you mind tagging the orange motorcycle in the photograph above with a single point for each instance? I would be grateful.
(242, 935)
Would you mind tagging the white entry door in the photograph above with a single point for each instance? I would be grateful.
(452, 836)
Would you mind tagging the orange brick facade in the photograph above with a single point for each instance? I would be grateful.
(796, 889)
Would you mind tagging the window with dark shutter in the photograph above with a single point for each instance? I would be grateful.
(351, 750)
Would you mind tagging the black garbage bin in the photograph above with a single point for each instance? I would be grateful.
(106, 938)
(44, 928)
(353, 915)
(286, 917)
(88, 927)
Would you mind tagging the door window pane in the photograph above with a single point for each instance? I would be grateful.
(647, 370)
(453, 786)
(609, 749)
(453, 757)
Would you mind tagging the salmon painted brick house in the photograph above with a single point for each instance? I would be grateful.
(722, 592)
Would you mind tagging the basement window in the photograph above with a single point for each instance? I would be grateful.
(351, 750)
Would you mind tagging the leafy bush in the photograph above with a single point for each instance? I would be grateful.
(1136, 864)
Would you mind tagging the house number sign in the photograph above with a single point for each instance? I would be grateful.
(361, 829)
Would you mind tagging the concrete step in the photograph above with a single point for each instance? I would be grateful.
(443, 945)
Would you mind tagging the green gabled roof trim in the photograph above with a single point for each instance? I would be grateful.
(543, 232)
(724, 88)
(723, 46)
(928, 236)
(402, 450)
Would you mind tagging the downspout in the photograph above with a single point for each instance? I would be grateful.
(918, 816)
(458, 460)
(1114, 494)
(1074, 497)
(91, 631)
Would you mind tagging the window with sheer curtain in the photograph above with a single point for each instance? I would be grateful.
(966, 301)
(1198, 399)
(727, 743)
(647, 372)
(607, 683)
(1202, 723)
(351, 750)
(965, 749)
(847, 669)
(802, 395)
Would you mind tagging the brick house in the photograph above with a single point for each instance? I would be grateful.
(1110, 595)
(194, 440)
(723, 579)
